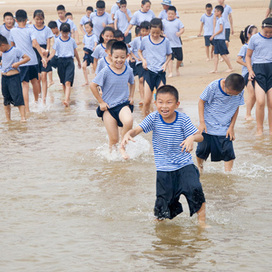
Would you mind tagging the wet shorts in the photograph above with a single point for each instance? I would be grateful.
(220, 148)
(207, 41)
(132, 65)
(169, 187)
(154, 79)
(40, 64)
(263, 75)
(177, 53)
(28, 73)
(227, 34)
(12, 90)
(88, 57)
(140, 70)
(66, 70)
(115, 112)
(220, 47)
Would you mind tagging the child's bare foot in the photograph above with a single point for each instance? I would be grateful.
(51, 83)
(170, 75)
(229, 70)
(249, 118)
(85, 84)
(259, 132)
(203, 225)
(208, 59)
(66, 103)
(177, 73)
(213, 72)
(23, 120)
(141, 103)
(124, 153)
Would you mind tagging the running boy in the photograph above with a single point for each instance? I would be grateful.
(86, 18)
(7, 26)
(218, 110)
(173, 140)
(24, 39)
(116, 103)
(65, 47)
(218, 38)
(173, 28)
(207, 23)
(12, 92)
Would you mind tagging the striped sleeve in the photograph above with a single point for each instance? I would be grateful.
(188, 127)
(208, 93)
(148, 123)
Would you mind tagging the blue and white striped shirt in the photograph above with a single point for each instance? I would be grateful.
(135, 46)
(167, 138)
(219, 108)
(65, 49)
(139, 16)
(99, 52)
(101, 64)
(242, 53)
(208, 24)
(89, 41)
(222, 35)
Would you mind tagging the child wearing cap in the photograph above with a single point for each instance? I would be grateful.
(163, 14)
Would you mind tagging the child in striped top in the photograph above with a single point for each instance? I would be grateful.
(173, 139)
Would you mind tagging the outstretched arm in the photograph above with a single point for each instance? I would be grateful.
(202, 126)
(130, 135)
(188, 143)
(230, 131)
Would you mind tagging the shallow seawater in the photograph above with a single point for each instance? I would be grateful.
(69, 205)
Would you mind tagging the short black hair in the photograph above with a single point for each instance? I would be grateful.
(219, 8)
(100, 4)
(119, 46)
(89, 8)
(3, 40)
(38, 13)
(145, 1)
(145, 24)
(60, 7)
(156, 23)
(21, 15)
(123, 2)
(267, 22)
(52, 24)
(118, 34)
(6, 14)
(137, 30)
(173, 8)
(68, 14)
(65, 27)
(110, 43)
(209, 5)
(107, 28)
(235, 82)
(168, 89)
(89, 23)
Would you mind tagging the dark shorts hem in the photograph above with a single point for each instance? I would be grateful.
(169, 187)
(66, 70)
(114, 112)
(28, 73)
(220, 47)
(88, 56)
(40, 65)
(132, 65)
(140, 70)
(263, 75)
(128, 38)
(154, 79)
(177, 53)
(220, 148)
(207, 41)
(227, 34)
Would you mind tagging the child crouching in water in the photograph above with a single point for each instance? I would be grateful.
(173, 139)
(116, 103)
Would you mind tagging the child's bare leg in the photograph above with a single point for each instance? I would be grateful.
(260, 105)
(269, 106)
(67, 93)
(7, 112)
(212, 50)
(125, 117)
(178, 66)
(147, 99)
(200, 164)
(141, 90)
(228, 165)
(85, 73)
(227, 61)
(36, 88)
(216, 59)
(170, 68)
(44, 86)
(39, 82)
(201, 213)
(251, 99)
(50, 76)
(22, 113)
(25, 86)
(207, 48)
(112, 129)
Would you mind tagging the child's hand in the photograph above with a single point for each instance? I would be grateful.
(178, 34)
(131, 101)
(104, 25)
(211, 38)
(126, 139)
(44, 62)
(202, 127)
(188, 144)
(126, 33)
(79, 65)
(103, 106)
(230, 134)
(144, 63)
(251, 75)
(15, 65)
(199, 35)
(164, 67)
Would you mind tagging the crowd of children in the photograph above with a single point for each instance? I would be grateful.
(27, 56)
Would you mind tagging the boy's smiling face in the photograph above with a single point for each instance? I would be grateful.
(166, 104)
(118, 58)
(9, 21)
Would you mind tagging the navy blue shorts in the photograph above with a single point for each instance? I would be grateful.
(263, 75)
(140, 70)
(128, 38)
(12, 90)
(28, 73)
(115, 112)
(154, 79)
(40, 65)
(169, 187)
(88, 57)
(220, 47)
(220, 148)
(54, 62)
(132, 64)
(177, 53)
(66, 70)
(207, 41)
(227, 34)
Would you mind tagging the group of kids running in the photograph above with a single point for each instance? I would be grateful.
(26, 56)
